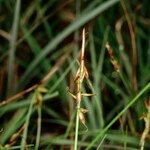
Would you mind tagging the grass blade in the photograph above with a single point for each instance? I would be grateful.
(24, 137)
(145, 89)
(13, 39)
(38, 128)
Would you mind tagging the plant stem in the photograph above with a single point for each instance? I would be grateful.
(38, 127)
(24, 137)
(79, 79)
(77, 127)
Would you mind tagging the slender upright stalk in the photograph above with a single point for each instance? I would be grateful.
(11, 57)
(133, 44)
(77, 128)
(79, 78)
(38, 127)
(29, 113)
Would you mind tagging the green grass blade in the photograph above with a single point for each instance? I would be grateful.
(24, 103)
(38, 128)
(145, 89)
(11, 60)
(13, 125)
(29, 113)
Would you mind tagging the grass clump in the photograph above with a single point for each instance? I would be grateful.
(41, 42)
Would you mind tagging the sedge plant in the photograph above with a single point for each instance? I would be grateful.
(81, 74)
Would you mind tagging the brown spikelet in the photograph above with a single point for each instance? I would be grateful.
(114, 62)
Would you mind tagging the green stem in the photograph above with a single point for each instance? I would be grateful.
(24, 137)
(77, 127)
(38, 127)
(146, 88)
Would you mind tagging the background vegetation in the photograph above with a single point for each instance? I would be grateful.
(40, 43)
